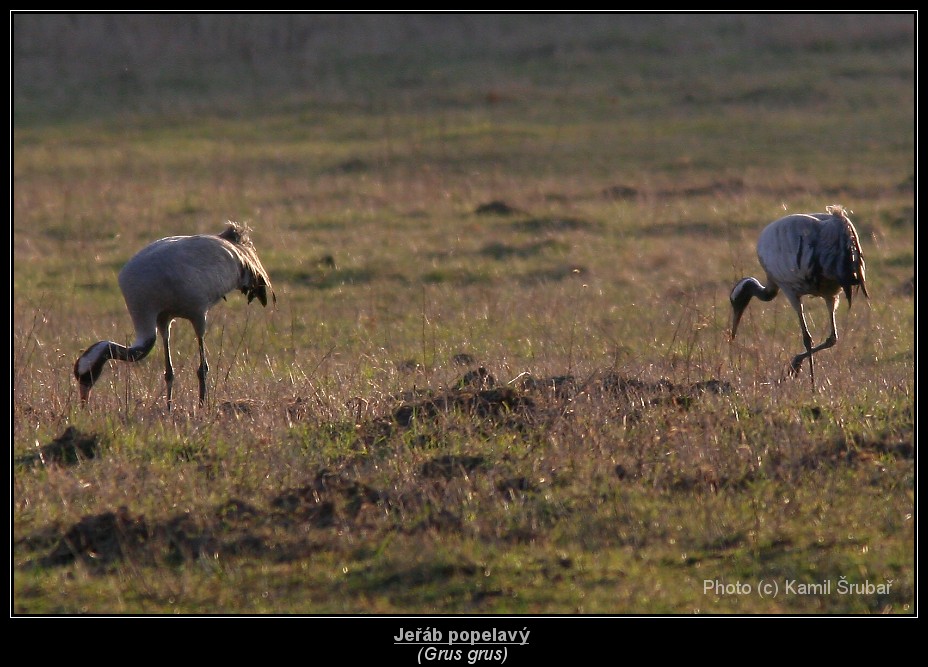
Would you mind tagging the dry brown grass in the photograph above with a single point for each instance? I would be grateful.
(353, 458)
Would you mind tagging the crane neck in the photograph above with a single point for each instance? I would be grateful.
(89, 365)
(763, 292)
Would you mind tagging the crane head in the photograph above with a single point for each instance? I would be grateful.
(89, 367)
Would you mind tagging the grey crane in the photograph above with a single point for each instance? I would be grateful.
(178, 277)
(806, 254)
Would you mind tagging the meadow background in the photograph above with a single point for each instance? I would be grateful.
(498, 378)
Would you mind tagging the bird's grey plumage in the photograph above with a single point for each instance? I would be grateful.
(178, 277)
(806, 254)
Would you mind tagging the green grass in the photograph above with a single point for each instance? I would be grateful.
(626, 453)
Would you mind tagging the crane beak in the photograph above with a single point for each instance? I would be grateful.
(84, 392)
(736, 319)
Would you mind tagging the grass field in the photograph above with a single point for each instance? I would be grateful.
(562, 201)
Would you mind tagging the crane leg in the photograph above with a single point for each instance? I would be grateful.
(202, 371)
(807, 340)
(168, 367)
(799, 358)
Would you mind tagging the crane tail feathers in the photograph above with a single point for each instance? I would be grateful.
(856, 268)
(257, 281)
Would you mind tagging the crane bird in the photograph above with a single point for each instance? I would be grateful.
(806, 254)
(178, 277)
